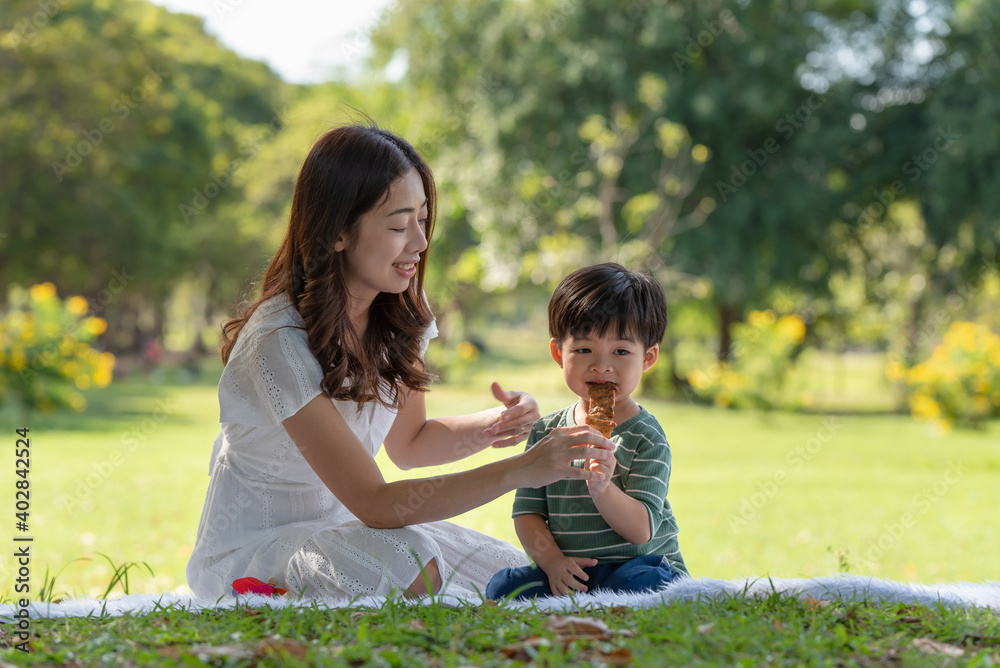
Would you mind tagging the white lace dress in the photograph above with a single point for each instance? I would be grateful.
(268, 514)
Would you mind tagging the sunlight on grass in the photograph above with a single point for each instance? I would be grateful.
(788, 495)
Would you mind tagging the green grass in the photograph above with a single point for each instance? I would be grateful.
(774, 630)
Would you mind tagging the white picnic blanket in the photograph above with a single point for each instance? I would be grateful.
(827, 588)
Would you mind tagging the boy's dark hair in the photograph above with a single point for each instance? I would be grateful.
(608, 297)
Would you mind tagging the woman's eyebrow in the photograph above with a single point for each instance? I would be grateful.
(407, 209)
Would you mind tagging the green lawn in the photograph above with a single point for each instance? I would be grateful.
(787, 495)
(770, 631)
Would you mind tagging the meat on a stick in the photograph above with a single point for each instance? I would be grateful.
(602, 407)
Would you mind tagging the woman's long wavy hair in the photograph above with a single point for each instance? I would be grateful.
(347, 174)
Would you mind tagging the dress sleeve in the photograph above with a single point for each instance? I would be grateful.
(270, 378)
(272, 373)
(430, 333)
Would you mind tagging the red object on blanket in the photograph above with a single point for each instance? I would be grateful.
(255, 586)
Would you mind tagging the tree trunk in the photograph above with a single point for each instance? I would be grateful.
(729, 315)
(912, 350)
(159, 306)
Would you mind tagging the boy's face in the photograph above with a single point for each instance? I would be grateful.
(602, 359)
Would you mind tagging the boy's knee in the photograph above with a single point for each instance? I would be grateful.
(525, 582)
(495, 587)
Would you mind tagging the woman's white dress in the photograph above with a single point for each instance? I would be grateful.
(268, 514)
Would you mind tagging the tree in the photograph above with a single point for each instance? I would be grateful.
(570, 106)
(121, 123)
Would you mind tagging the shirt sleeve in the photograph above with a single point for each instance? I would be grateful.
(649, 477)
(528, 500)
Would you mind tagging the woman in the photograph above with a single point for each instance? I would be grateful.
(324, 368)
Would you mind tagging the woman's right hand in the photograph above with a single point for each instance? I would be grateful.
(551, 458)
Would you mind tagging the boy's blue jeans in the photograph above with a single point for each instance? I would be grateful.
(639, 574)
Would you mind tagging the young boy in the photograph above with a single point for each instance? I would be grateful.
(618, 533)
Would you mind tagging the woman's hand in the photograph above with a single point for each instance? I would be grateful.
(520, 412)
(552, 457)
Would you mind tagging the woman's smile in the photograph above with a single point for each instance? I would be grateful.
(405, 269)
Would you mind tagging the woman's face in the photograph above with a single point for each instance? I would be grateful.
(383, 255)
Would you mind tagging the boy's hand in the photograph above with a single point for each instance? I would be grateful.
(520, 412)
(565, 574)
(605, 466)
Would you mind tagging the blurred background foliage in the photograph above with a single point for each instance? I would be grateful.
(803, 178)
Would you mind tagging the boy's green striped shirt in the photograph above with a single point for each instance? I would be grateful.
(642, 472)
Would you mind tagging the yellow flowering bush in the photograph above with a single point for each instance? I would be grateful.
(959, 384)
(45, 351)
(763, 353)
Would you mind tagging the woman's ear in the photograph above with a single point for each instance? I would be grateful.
(649, 360)
(556, 351)
(340, 244)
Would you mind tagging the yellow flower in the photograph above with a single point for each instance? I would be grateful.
(980, 404)
(922, 406)
(18, 360)
(82, 382)
(78, 403)
(733, 379)
(723, 399)
(105, 370)
(756, 318)
(77, 305)
(921, 373)
(467, 351)
(43, 292)
(792, 326)
(769, 317)
(96, 326)
(962, 335)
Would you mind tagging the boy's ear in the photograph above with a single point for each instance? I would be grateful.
(653, 354)
(556, 351)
